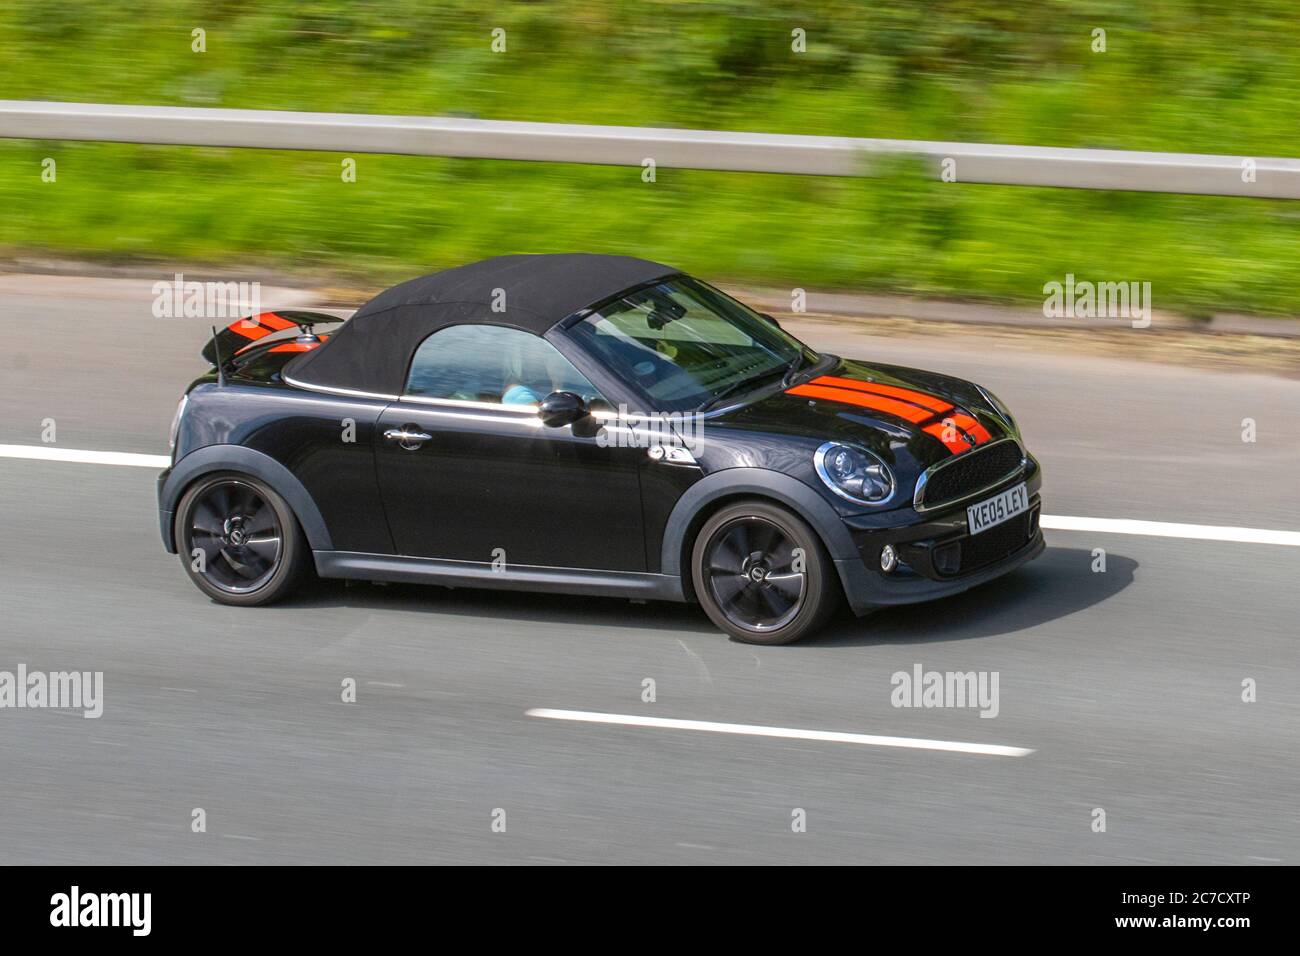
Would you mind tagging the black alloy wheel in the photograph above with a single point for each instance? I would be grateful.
(762, 575)
(238, 539)
(751, 574)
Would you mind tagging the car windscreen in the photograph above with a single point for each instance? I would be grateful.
(682, 343)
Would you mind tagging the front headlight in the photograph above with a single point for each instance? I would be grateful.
(854, 473)
(999, 406)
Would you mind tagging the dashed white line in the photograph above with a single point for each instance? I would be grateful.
(1169, 529)
(791, 733)
(81, 455)
(1155, 529)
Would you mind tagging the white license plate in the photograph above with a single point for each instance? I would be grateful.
(999, 508)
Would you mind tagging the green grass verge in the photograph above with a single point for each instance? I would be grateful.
(1176, 75)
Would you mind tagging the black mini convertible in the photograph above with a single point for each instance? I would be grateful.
(589, 424)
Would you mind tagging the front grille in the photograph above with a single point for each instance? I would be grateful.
(973, 552)
(970, 473)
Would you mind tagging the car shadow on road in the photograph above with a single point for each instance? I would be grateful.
(1059, 583)
(523, 606)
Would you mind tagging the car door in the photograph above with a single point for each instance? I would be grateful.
(468, 472)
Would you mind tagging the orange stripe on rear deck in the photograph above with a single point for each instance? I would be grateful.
(251, 332)
(275, 322)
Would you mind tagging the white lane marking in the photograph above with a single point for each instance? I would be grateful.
(50, 453)
(755, 730)
(1169, 529)
(1155, 529)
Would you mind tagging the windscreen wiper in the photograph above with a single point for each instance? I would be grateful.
(796, 363)
(735, 387)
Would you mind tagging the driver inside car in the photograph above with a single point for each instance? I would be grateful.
(524, 389)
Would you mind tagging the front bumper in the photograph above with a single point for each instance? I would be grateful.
(938, 556)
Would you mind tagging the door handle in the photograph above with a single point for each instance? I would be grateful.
(406, 437)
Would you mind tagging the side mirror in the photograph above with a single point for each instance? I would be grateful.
(770, 319)
(562, 408)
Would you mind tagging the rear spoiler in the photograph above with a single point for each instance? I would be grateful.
(244, 332)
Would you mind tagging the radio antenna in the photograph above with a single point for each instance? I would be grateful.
(216, 347)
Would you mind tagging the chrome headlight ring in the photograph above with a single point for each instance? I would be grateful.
(854, 474)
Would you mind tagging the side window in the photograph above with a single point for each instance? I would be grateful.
(489, 363)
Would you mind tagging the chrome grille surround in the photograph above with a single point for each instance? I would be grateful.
(965, 460)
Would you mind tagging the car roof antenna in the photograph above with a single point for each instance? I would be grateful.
(216, 348)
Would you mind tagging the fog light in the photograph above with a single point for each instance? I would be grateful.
(888, 558)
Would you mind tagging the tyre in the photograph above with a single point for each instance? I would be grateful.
(239, 541)
(762, 575)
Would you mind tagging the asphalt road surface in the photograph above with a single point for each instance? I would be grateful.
(1125, 685)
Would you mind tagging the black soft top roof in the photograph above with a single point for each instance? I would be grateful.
(372, 351)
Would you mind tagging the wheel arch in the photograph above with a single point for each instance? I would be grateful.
(721, 488)
(237, 458)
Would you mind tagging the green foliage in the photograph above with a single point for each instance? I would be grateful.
(1180, 75)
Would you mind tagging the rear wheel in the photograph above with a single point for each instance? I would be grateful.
(239, 541)
(762, 575)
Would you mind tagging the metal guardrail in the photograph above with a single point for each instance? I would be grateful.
(1265, 177)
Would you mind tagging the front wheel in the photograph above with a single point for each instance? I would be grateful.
(239, 541)
(762, 575)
